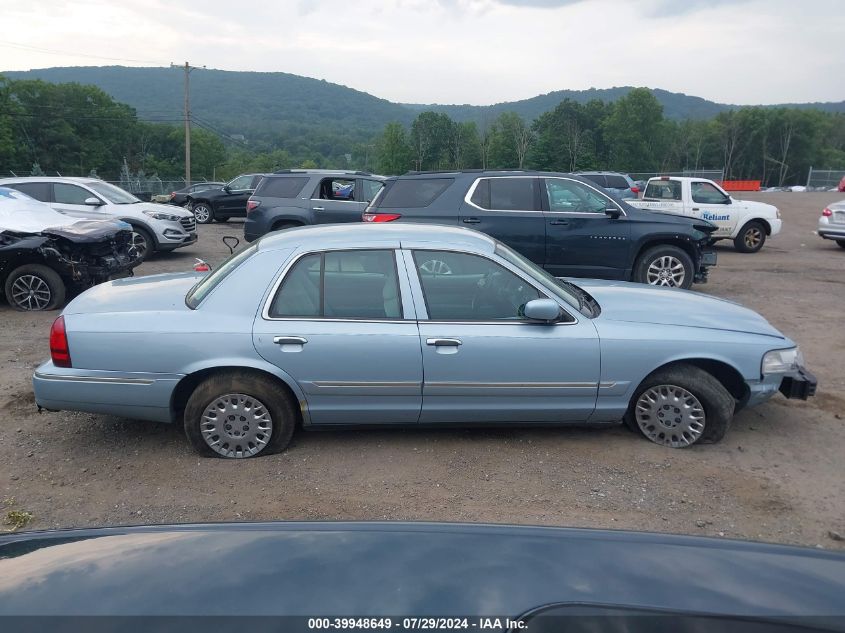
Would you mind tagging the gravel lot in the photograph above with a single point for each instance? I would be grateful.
(778, 476)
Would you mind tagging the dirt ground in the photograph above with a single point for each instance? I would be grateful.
(778, 475)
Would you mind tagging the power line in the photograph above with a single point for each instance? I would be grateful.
(50, 51)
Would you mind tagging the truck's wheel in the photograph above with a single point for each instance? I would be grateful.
(679, 406)
(664, 265)
(34, 287)
(751, 237)
(239, 414)
(203, 212)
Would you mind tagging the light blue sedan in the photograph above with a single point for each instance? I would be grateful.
(407, 325)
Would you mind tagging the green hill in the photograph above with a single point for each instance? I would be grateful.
(267, 107)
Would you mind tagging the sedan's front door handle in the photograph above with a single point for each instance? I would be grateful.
(318, 208)
(443, 342)
(559, 222)
(290, 340)
(471, 220)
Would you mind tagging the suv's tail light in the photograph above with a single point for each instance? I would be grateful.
(827, 213)
(380, 217)
(251, 205)
(59, 350)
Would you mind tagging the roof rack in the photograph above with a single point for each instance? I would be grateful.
(323, 171)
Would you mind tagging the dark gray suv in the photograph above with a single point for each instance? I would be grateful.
(300, 197)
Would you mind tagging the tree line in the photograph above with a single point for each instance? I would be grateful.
(774, 145)
(76, 129)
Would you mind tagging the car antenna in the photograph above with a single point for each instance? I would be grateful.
(227, 240)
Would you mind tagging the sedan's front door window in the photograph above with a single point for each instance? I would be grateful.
(464, 287)
(575, 197)
(241, 183)
(356, 284)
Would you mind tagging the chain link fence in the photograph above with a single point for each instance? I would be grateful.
(824, 178)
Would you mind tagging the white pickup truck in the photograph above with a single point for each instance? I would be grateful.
(745, 222)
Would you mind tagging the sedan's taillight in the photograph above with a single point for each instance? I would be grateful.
(380, 217)
(827, 213)
(251, 205)
(59, 350)
(635, 189)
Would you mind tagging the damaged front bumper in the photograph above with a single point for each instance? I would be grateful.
(800, 384)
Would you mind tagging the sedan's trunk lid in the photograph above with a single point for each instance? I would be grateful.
(145, 294)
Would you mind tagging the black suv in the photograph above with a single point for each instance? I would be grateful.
(562, 222)
(221, 204)
(298, 197)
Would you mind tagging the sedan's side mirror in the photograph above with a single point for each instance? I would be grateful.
(612, 212)
(93, 202)
(544, 310)
(227, 189)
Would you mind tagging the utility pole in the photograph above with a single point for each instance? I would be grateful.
(187, 68)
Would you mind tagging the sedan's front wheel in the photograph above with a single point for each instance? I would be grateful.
(680, 405)
(239, 414)
(664, 265)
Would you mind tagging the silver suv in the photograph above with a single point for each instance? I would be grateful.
(155, 227)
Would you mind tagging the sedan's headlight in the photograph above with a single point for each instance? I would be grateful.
(161, 215)
(781, 361)
(777, 213)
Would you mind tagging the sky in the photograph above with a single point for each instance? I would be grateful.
(458, 51)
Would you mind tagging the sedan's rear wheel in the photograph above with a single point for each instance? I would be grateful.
(237, 415)
(664, 265)
(681, 405)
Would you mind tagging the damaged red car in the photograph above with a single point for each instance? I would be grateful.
(44, 255)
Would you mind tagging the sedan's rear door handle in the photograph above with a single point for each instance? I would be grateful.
(559, 222)
(290, 340)
(443, 342)
(471, 220)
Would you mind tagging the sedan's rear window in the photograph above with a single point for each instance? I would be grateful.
(213, 279)
(415, 192)
(284, 187)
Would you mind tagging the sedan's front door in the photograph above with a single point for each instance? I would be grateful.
(240, 189)
(582, 240)
(338, 326)
(483, 361)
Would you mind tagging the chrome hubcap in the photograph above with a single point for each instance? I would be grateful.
(236, 425)
(670, 415)
(666, 270)
(436, 267)
(201, 213)
(31, 293)
(753, 237)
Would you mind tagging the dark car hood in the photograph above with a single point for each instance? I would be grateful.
(88, 231)
(641, 303)
(392, 569)
(644, 215)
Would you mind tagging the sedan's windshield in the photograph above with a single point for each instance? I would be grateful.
(563, 289)
(112, 194)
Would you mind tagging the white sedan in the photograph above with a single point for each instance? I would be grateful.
(832, 223)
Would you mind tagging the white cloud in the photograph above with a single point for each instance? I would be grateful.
(464, 51)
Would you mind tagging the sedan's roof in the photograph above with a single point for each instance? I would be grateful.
(358, 235)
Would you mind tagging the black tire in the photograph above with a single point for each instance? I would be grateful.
(142, 242)
(222, 219)
(278, 404)
(658, 254)
(840, 243)
(717, 402)
(751, 237)
(203, 212)
(48, 289)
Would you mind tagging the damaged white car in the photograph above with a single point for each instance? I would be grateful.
(44, 254)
